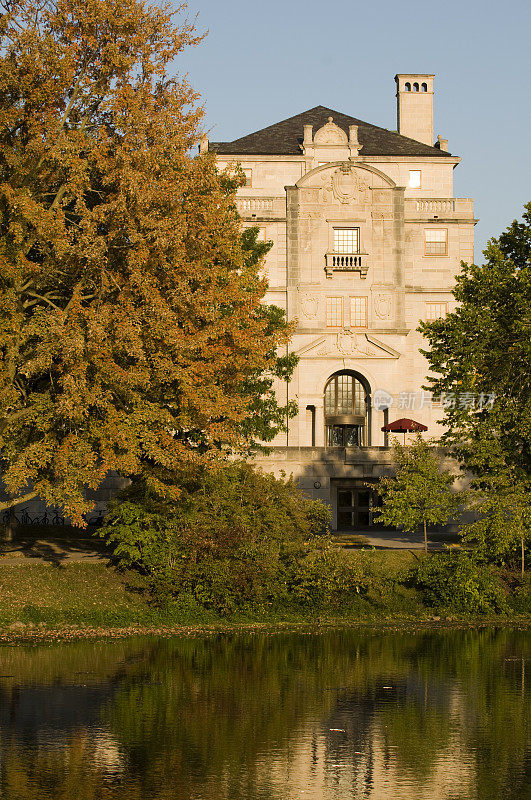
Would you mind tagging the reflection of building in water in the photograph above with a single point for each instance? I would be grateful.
(367, 239)
(332, 764)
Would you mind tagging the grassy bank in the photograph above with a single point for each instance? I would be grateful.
(95, 599)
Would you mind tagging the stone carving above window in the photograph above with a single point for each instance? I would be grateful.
(347, 344)
(347, 186)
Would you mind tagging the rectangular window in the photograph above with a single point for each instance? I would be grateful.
(334, 312)
(248, 177)
(358, 312)
(346, 240)
(436, 311)
(436, 241)
(414, 178)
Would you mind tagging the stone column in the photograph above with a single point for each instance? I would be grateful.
(319, 425)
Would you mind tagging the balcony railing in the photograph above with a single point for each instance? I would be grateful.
(254, 205)
(434, 206)
(346, 262)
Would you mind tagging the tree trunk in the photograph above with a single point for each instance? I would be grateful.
(523, 554)
(10, 526)
(425, 538)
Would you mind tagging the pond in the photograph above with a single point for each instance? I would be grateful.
(348, 713)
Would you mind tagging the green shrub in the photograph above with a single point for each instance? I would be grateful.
(520, 597)
(236, 537)
(460, 582)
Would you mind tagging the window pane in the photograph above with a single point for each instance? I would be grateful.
(346, 240)
(364, 499)
(344, 499)
(334, 312)
(358, 312)
(414, 178)
(344, 394)
(352, 438)
(435, 235)
(330, 398)
(436, 241)
(436, 310)
(336, 436)
(359, 398)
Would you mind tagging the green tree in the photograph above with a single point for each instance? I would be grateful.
(501, 504)
(421, 493)
(482, 351)
(133, 336)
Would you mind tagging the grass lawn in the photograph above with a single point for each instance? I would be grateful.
(36, 597)
(72, 593)
(94, 594)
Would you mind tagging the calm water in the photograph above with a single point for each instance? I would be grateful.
(342, 714)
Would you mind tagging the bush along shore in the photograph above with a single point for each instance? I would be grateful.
(44, 601)
(243, 548)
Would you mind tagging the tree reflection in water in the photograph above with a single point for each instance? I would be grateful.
(426, 714)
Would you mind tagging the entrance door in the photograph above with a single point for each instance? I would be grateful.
(344, 435)
(355, 508)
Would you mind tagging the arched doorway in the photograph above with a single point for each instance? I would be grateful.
(347, 405)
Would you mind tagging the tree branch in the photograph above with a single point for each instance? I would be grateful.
(46, 299)
(15, 501)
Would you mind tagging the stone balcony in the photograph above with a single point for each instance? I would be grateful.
(346, 262)
(439, 208)
(261, 207)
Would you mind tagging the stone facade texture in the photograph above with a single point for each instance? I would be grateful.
(365, 245)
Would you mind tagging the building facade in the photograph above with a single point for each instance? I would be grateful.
(367, 240)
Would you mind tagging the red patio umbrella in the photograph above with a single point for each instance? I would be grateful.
(404, 426)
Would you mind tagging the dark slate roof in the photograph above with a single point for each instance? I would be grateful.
(285, 138)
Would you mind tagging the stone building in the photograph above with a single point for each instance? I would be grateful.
(367, 238)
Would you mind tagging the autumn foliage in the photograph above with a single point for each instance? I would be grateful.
(132, 334)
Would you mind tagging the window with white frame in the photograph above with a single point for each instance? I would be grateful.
(248, 176)
(334, 312)
(358, 312)
(414, 178)
(436, 241)
(346, 240)
(435, 311)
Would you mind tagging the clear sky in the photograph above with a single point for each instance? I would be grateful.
(264, 61)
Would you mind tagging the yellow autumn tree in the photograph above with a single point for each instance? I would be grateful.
(132, 333)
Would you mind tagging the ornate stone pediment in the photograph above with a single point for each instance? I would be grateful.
(330, 134)
(347, 344)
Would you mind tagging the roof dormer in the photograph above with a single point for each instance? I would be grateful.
(331, 143)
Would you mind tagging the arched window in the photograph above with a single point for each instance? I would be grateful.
(407, 87)
(347, 407)
(424, 87)
(415, 87)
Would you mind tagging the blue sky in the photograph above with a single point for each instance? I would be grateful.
(263, 62)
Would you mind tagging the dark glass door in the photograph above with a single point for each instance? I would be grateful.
(345, 435)
(355, 508)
